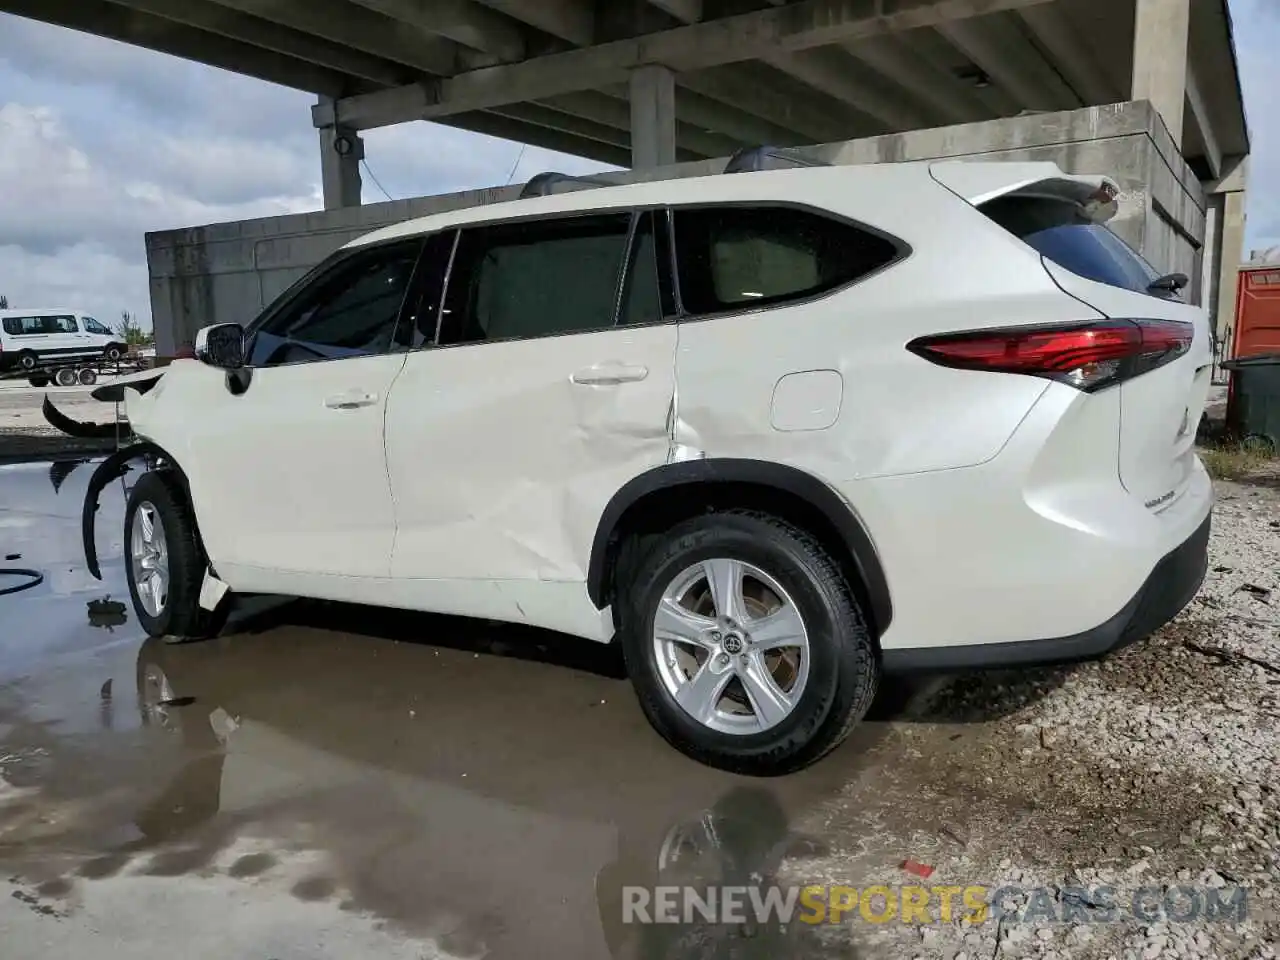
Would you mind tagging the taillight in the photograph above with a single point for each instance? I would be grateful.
(1087, 356)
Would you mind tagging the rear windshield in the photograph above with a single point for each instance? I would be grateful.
(1057, 229)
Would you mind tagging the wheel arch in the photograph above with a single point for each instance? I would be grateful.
(661, 495)
(112, 468)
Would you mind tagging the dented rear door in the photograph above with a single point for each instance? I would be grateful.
(549, 388)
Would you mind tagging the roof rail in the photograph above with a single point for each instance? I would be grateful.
(752, 159)
(545, 184)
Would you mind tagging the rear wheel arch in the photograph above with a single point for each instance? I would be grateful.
(661, 497)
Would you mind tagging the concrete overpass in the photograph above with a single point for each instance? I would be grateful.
(649, 83)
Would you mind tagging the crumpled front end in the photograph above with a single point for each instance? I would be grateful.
(129, 446)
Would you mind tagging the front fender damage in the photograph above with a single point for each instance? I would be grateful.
(83, 429)
(112, 468)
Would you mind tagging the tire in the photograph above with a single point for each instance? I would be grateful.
(87, 377)
(843, 668)
(38, 380)
(27, 360)
(178, 616)
(113, 352)
(64, 377)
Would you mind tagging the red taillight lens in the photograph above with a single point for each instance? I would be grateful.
(1087, 356)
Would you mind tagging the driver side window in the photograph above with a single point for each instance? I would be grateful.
(349, 311)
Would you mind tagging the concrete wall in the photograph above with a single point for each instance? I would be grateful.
(230, 271)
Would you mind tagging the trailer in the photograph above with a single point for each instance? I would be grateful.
(82, 371)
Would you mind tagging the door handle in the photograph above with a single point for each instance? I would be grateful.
(610, 373)
(351, 401)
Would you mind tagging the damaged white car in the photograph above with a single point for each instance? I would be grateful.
(774, 432)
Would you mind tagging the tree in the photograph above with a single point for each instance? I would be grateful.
(4, 302)
(131, 333)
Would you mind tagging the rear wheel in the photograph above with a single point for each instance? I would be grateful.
(88, 377)
(166, 564)
(27, 360)
(746, 646)
(64, 377)
(38, 380)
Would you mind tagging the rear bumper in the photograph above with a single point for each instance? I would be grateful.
(1169, 588)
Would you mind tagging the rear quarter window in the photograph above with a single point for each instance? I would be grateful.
(741, 257)
(1057, 230)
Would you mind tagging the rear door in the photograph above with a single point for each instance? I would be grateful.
(1159, 410)
(547, 388)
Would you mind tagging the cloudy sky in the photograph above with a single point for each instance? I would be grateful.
(100, 142)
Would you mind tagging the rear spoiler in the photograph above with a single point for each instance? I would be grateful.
(980, 182)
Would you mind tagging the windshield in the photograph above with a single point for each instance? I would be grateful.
(1057, 230)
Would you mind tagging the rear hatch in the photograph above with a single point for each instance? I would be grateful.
(1062, 217)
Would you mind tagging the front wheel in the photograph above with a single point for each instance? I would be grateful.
(165, 562)
(746, 646)
(113, 352)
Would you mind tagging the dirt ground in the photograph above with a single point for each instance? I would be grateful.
(330, 781)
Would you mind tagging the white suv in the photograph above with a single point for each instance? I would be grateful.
(776, 432)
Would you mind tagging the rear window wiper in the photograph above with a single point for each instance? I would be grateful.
(1169, 283)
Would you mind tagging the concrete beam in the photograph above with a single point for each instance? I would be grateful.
(550, 119)
(1198, 111)
(105, 19)
(686, 11)
(653, 117)
(341, 151)
(892, 57)
(1235, 176)
(701, 113)
(267, 35)
(571, 20)
(461, 21)
(361, 29)
(756, 35)
(515, 128)
(615, 111)
(1161, 30)
(1003, 55)
(740, 87)
(838, 75)
(1072, 56)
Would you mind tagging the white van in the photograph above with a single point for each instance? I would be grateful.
(33, 338)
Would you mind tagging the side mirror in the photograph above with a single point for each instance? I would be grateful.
(221, 345)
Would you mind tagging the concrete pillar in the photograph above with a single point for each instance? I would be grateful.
(1233, 217)
(1206, 292)
(653, 117)
(1160, 58)
(341, 150)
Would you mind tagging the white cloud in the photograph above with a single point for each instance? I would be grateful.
(84, 276)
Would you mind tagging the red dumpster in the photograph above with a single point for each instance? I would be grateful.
(1258, 311)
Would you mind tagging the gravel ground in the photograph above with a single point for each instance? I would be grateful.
(1156, 768)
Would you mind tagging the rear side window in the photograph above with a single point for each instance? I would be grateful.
(1057, 230)
(17, 326)
(535, 279)
(733, 258)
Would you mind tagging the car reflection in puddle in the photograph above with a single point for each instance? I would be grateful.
(497, 806)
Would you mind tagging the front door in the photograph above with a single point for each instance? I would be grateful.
(289, 472)
(548, 387)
